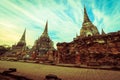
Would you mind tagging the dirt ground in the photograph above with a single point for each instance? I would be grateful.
(39, 71)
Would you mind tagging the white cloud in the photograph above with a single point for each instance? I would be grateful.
(106, 19)
(15, 17)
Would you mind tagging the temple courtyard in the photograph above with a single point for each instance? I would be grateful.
(35, 71)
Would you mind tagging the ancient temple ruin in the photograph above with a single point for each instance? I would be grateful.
(91, 47)
(43, 44)
(18, 50)
(88, 29)
(20, 47)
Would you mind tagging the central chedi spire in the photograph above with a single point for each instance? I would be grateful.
(86, 18)
(45, 33)
(88, 29)
(44, 43)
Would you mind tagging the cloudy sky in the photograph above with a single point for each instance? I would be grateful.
(64, 17)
